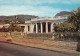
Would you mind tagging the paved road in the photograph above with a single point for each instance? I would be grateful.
(7, 49)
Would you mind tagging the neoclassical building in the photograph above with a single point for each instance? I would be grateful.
(42, 25)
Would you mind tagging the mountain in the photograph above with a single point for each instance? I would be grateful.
(23, 17)
(62, 13)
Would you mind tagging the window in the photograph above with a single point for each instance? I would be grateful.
(28, 28)
(22, 28)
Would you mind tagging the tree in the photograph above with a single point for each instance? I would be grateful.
(75, 18)
(14, 27)
(65, 27)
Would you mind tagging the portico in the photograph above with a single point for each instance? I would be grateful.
(43, 27)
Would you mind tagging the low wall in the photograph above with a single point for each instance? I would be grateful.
(49, 35)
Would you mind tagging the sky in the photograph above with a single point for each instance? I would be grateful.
(41, 8)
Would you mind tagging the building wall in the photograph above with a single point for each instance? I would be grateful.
(1, 25)
(30, 24)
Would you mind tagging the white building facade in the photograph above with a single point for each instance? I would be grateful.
(42, 25)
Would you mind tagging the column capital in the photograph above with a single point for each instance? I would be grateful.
(46, 21)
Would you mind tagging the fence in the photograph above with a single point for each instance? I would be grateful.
(67, 36)
(60, 36)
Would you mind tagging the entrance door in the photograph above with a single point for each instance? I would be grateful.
(44, 27)
(49, 27)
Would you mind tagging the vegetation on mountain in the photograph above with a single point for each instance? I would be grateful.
(62, 13)
(23, 17)
(20, 18)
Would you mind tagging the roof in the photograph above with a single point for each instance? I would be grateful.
(49, 19)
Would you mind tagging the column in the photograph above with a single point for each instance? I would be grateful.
(52, 27)
(36, 28)
(46, 27)
(32, 27)
(41, 28)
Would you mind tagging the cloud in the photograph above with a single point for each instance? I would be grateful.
(13, 7)
(35, 2)
(70, 1)
(30, 10)
(53, 1)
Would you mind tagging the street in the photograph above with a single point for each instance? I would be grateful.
(7, 49)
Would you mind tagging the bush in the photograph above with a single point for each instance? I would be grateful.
(64, 27)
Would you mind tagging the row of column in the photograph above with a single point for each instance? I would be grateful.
(46, 27)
